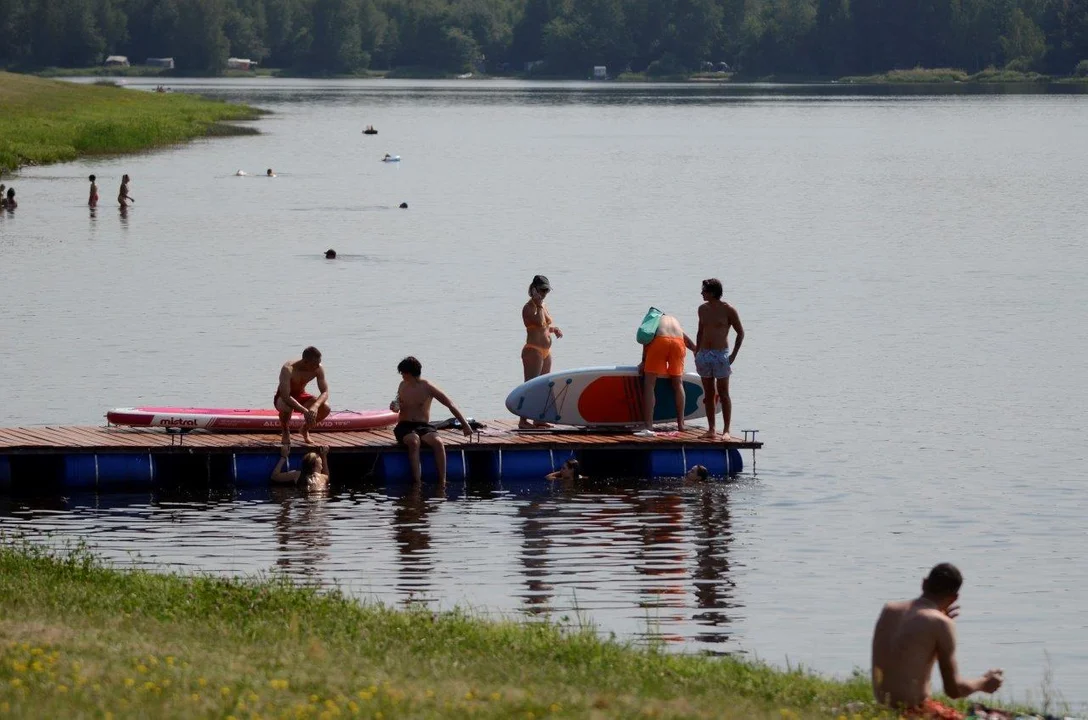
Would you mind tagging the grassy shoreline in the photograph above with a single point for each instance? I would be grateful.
(81, 639)
(48, 121)
(78, 638)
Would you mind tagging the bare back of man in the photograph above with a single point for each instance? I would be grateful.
(713, 360)
(414, 428)
(909, 638)
(664, 357)
(291, 395)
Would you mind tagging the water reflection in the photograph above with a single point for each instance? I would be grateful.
(303, 530)
(412, 535)
(642, 562)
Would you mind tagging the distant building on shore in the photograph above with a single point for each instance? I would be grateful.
(164, 63)
(116, 61)
(600, 72)
(241, 64)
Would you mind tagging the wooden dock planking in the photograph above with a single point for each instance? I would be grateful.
(498, 434)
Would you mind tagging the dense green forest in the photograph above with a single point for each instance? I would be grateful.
(660, 37)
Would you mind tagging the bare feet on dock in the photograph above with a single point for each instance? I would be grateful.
(306, 438)
(709, 435)
(726, 437)
(680, 427)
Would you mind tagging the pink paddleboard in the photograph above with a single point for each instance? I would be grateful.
(238, 420)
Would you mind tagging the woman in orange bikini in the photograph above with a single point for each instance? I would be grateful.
(536, 355)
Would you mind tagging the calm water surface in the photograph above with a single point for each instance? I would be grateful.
(909, 271)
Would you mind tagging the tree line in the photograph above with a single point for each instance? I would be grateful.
(827, 38)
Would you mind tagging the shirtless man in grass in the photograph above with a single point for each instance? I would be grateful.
(713, 360)
(413, 405)
(910, 636)
(291, 395)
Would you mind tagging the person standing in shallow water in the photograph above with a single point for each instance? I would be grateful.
(536, 354)
(92, 199)
(122, 195)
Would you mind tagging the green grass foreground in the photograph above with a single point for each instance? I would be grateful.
(80, 639)
(47, 121)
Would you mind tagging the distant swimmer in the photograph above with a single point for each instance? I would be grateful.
(291, 395)
(330, 254)
(122, 195)
(404, 206)
(314, 473)
(270, 173)
(9, 203)
(240, 173)
(92, 200)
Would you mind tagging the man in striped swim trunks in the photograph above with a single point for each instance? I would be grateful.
(910, 636)
(713, 361)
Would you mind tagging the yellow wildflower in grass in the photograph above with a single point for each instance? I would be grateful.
(18, 666)
(62, 689)
(353, 706)
(37, 666)
(496, 697)
(378, 715)
(170, 660)
(554, 708)
(314, 698)
(469, 695)
(366, 694)
(107, 716)
(429, 693)
(277, 684)
(37, 651)
(201, 682)
(129, 682)
(152, 660)
(149, 685)
(141, 668)
(166, 682)
(224, 691)
(195, 697)
(16, 682)
(788, 714)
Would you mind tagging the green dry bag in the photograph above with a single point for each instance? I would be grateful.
(648, 329)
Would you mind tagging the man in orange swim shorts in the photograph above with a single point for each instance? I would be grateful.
(911, 635)
(664, 357)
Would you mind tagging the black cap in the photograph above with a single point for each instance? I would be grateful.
(541, 283)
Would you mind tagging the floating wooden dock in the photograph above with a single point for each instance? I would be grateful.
(104, 457)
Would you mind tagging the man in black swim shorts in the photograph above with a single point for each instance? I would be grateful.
(413, 405)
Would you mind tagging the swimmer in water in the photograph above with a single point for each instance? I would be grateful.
(270, 173)
(92, 200)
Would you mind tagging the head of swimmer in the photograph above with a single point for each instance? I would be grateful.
(712, 289)
(942, 586)
(312, 465)
(410, 368)
(570, 470)
(697, 473)
(311, 359)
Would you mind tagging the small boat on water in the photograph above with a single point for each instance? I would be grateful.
(391, 158)
(370, 130)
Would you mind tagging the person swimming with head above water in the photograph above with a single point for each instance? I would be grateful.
(698, 473)
(92, 199)
(314, 473)
(569, 471)
(270, 173)
(536, 354)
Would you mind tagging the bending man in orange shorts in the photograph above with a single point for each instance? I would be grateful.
(664, 357)
(910, 636)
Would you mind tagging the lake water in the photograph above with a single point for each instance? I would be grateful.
(909, 270)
